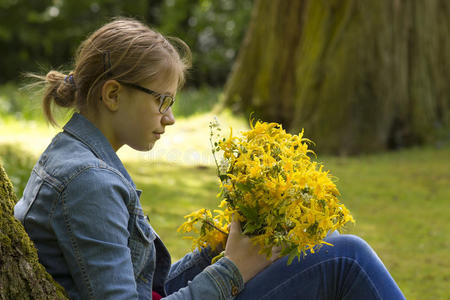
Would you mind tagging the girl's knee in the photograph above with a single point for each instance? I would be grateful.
(355, 241)
(352, 246)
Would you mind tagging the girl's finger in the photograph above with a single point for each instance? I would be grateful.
(235, 225)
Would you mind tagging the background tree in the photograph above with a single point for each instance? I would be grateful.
(213, 29)
(359, 76)
(44, 34)
(38, 35)
(21, 274)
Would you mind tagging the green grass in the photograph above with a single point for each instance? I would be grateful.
(401, 203)
(400, 200)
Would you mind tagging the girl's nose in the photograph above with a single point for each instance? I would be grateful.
(168, 118)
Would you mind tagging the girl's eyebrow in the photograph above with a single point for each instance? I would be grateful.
(169, 93)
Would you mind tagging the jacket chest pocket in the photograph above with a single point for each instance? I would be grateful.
(141, 244)
(30, 193)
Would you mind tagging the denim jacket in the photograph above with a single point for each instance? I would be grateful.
(82, 211)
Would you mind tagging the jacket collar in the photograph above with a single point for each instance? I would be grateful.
(86, 132)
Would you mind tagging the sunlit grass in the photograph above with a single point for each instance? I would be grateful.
(186, 143)
(401, 203)
(400, 200)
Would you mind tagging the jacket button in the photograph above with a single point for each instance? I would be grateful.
(234, 291)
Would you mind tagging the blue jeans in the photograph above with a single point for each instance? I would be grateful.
(348, 270)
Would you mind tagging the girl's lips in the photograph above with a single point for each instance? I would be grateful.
(158, 135)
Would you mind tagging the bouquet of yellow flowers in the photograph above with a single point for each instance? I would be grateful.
(280, 195)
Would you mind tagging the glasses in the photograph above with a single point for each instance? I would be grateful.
(165, 101)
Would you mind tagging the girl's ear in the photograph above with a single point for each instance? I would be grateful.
(110, 95)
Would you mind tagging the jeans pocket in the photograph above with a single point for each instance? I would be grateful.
(141, 244)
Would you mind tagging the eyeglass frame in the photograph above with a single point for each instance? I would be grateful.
(160, 96)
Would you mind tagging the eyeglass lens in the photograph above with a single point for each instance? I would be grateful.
(165, 103)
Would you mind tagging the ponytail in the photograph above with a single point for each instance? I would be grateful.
(59, 90)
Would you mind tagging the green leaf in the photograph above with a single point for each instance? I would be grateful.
(223, 177)
(312, 229)
(294, 253)
(290, 259)
(250, 228)
(249, 213)
(244, 187)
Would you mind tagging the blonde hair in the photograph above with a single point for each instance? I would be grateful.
(124, 49)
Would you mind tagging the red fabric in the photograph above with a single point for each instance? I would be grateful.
(156, 296)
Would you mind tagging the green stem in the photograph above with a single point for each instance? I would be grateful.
(213, 150)
(215, 227)
(216, 258)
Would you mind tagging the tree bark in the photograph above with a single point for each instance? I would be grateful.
(21, 274)
(358, 76)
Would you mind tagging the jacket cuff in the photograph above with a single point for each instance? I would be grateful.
(227, 277)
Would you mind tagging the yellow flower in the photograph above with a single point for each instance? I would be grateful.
(281, 197)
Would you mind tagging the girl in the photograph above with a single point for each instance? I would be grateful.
(82, 211)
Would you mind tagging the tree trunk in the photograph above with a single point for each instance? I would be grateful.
(358, 76)
(21, 274)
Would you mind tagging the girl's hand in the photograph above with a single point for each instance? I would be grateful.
(241, 251)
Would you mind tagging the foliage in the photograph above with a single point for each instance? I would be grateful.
(190, 102)
(49, 31)
(18, 164)
(18, 103)
(282, 198)
(214, 31)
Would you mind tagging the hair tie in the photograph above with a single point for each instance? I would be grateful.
(69, 79)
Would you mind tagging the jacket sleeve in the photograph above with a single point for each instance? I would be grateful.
(187, 268)
(221, 280)
(90, 221)
(192, 277)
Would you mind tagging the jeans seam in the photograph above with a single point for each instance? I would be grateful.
(297, 274)
(367, 276)
(270, 296)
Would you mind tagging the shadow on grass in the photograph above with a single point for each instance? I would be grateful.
(170, 192)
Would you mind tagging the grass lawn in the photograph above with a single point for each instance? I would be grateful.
(400, 200)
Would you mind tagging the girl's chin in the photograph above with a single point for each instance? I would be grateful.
(143, 148)
(149, 146)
